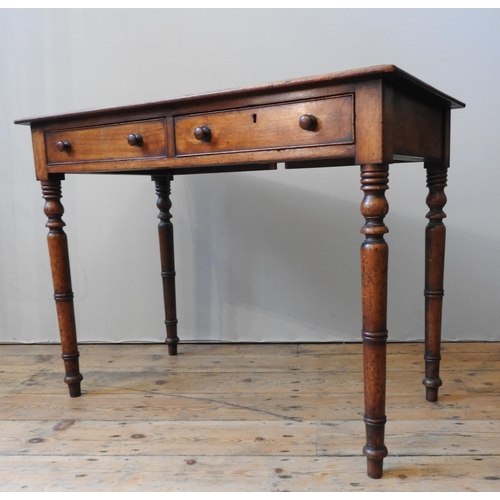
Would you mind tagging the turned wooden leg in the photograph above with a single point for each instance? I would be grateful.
(435, 235)
(166, 236)
(374, 262)
(61, 276)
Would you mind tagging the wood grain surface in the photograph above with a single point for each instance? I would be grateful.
(244, 417)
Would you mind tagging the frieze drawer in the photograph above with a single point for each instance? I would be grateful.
(141, 139)
(300, 124)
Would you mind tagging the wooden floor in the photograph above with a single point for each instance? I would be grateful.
(244, 418)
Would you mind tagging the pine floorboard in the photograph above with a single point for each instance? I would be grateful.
(244, 417)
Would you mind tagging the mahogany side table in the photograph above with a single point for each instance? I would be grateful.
(370, 117)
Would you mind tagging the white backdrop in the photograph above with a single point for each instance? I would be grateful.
(260, 256)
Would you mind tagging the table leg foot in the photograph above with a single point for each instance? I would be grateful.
(431, 394)
(375, 450)
(172, 347)
(73, 376)
(75, 390)
(374, 468)
(432, 380)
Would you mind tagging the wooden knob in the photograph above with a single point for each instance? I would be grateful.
(202, 133)
(63, 146)
(135, 140)
(308, 122)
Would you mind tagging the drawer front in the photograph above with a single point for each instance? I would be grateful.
(108, 142)
(267, 127)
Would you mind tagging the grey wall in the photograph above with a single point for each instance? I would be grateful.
(260, 256)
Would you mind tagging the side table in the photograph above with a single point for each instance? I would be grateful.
(370, 117)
